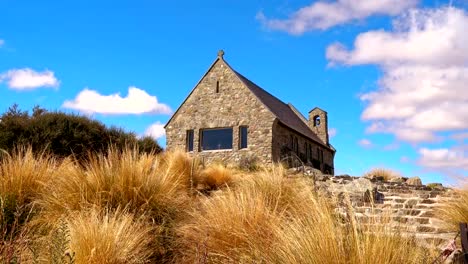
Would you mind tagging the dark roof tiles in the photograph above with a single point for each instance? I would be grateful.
(282, 111)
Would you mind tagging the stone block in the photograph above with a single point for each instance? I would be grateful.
(416, 181)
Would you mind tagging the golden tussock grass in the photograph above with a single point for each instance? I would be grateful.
(96, 235)
(109, 237)
(146, 184)
(455, 211)
(267, 218)
(128, 207)
(387, 174)
(23, 175)
(216, 176)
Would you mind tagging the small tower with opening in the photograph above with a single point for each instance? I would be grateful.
(318, 122)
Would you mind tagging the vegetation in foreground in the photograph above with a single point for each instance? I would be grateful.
(456, 211)
(62, 134)
(133, 207)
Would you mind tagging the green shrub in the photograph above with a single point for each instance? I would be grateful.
(63, 134)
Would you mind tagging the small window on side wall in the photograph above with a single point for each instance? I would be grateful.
(243, 131)
(189, 140)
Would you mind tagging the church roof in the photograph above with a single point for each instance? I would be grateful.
(285, 113)
(282, 111)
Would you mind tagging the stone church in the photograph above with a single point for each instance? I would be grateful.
(227, 117)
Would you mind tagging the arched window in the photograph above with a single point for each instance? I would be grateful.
(296, 145)
(217, 86)
(316, 120)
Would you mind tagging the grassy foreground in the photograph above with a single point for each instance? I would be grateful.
(128, 207)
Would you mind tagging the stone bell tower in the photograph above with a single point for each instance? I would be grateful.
(318, 122)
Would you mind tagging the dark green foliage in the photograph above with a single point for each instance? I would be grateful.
(64, 134)
(148, 145)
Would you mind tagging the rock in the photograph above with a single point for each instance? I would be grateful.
(321, 177)
(375, 177)
(360, 185)
(373, 196)
(398, 179)
(343, 176)
(309, 171)
(414, 181)
(292, 171)
(435, 186)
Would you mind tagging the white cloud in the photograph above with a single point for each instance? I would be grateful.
(453, 161)
(424, 60)
(325, 14)
(28, 79)
(137, 101)
(2, 42)
(423, 36)
(156, 130)
(365, 143)
(332, 132)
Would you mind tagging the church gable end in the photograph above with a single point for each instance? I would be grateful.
(220, 106)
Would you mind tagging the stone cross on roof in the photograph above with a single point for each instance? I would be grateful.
(220, 54)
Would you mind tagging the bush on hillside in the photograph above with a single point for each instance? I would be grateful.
(64, 134)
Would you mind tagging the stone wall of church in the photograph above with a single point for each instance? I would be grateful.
(220, 100)
(310, 152)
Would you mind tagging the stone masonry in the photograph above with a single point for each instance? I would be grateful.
(225, 99)
(233, 106)
(411, 209)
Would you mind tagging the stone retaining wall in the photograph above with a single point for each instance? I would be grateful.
(411, 209)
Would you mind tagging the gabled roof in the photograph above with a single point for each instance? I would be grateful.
(283, 112)
(286, 114)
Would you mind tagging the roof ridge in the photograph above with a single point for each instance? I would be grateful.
(282, 111)
(299, 114)
(247, 79)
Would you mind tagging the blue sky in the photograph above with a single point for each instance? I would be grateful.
(391, 74)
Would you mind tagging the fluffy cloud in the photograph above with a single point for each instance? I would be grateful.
(28, 79)
(324, 14)
(424, 61)
(156, 130)
(365, 143)
(332, 132)
(137, 101)
(422, 95)
(453, 161)
(2, 42)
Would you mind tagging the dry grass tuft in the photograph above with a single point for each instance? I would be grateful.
(229, 224)
(23, 175)
(156, 186)
(267, 218)
(387, 174)
(104, 237)
(259, 217)
(323, 239)
(216, 176)
(455, 211)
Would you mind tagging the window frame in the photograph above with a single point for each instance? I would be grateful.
(189, 140)
(241, 141)
(202, 135)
